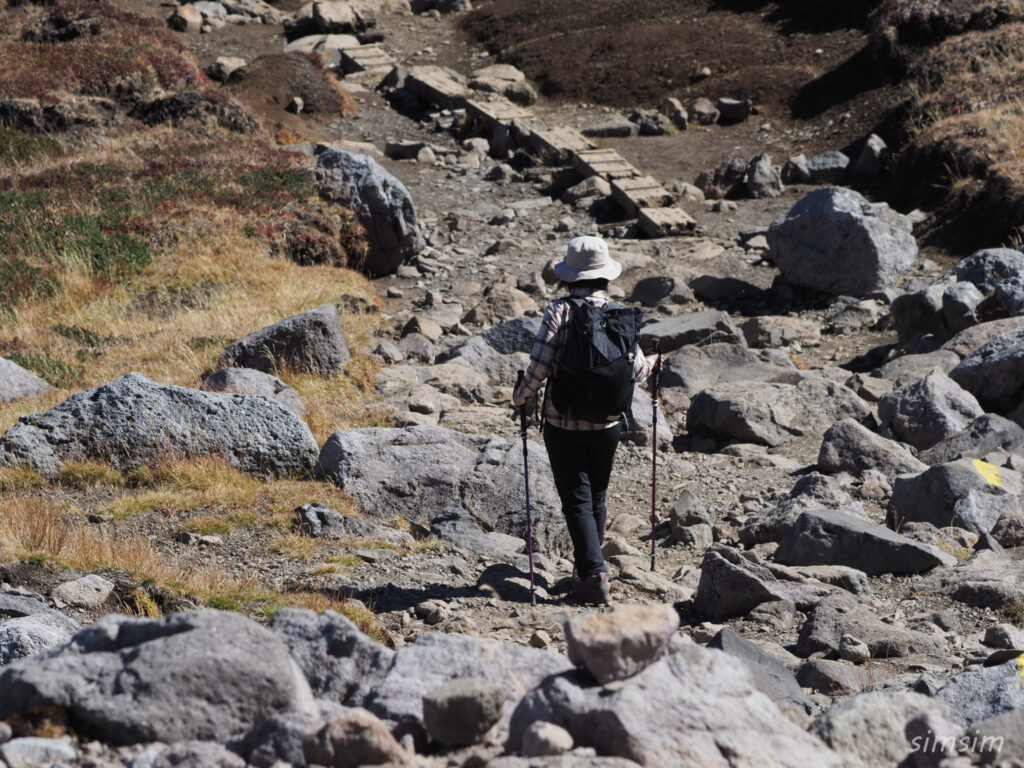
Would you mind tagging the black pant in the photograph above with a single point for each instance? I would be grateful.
(581, 462)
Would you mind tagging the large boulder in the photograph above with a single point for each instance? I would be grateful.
(994, 373)
(831, 619)
(440, 467)
(977, 694)
(247, 381)
(133, 421)
(697, 367)
(340, 662)
(24, 635)
(988, 580)
(828, 537)
(436, 659)
(16, 382)
(836, 242)
(771, 414)
(814, 491)
(927, 411)
(309, 341)
(695, 708)
(849, 446)
(771, 676)
(982, 436)
(197, 675)
(707, 326)
(381, 202)
(968, 493)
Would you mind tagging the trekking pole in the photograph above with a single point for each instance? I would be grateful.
(654, 447)
(526, 481)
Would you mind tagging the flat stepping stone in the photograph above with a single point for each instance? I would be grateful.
(556, 146)
(495, 112)
(366, 59)
(666, 222)
(603, 162)
(640, 192)
(435, 85)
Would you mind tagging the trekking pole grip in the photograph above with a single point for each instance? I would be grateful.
(520, 375)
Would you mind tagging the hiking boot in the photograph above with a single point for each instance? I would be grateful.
(592, 589)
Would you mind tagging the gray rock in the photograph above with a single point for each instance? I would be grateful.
(613, 126)
(986, 434)
(908, 369)
(694, 368)
(321, 521)
(979, 694)
(731, 585)
(248, 381)
(434, 659)
(762, 178)
(994, 372)
(133, 421)
(26, 635)
(121, 680)
(657, 289)
(1009, 530)
(687, 512)
(90, 591)
(732, 111)
(639, 430)
(279, 738)
(703, 111)
(186, 754)
(853, 581)
(35, 752)
(340, 662)
(618, 645)
(797, 171)
(920, 312)
(381, 202)
(571, 760)
(692, 709)
(834, 678)
(828, 537)
(771, 676)
(511, 336)
(872, 157)
(1010, 295)
(959, 304)
(812, 491)
(650, 121)
(352, 739)
(834, 241)
(16, 382)
(999, 738)
(438, 466)
(868, 729)
(927, 411)
(13, 606)
(968, 493)
(836, 616)
(227, 69)
(725, 181)
(309, 341)
(461, 712)
(780, 331)
(969, 339)
(772, 414)
(709, 325)
(828, 167)
(545, 739)
(849, 446)
(989, 267)
(988, 580)
(457, 526)
(933, 739)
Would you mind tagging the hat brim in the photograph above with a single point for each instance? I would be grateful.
(567, 274)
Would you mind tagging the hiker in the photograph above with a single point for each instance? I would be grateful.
(580, 440)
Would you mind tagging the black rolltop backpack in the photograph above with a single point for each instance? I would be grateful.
(595, 371)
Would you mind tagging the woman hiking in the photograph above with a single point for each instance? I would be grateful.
(581, 429)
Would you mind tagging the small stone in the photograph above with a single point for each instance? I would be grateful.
(33, 752)
(432, 612)
(87, 592)
(852, 649)
(565, 224)
(540, 639)
(353, 739)
(546, 739)
(295, 105)
(394, 292)
(426, 156)
(461, 712)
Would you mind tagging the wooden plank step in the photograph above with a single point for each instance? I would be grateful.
(496, 111)
(665, 222)
(603, 162)
(364, 58)
(640, 192)
(556, 146)
(436, 86)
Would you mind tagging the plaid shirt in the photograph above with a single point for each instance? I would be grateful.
(547, 348)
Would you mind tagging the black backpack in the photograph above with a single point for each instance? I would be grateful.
(595, 370)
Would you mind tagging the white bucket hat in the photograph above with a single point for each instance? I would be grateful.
(587, 259)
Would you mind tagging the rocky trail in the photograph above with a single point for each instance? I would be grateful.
(839, 468)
